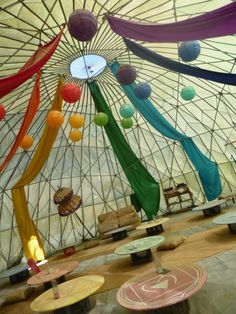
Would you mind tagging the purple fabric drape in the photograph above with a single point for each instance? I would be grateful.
(220, 22)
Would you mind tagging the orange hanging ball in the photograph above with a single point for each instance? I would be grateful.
(26, 142)
(76, 121)
(76, 135)
(54, 119)
(70, 92)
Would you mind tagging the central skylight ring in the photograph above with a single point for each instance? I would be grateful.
(88, 66)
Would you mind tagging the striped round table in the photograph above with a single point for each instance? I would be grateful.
(152, 291)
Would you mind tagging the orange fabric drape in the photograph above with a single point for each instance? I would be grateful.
(28, 118)
(31, 241)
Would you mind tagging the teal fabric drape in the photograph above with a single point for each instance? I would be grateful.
(207, 169)
(144, 185)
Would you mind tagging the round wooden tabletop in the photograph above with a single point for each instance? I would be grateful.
(151, 290)
(55, 271)
(118, 230)
(226, 219)
(209, 205)
(70, 292)
(139, 245)
(152, 223)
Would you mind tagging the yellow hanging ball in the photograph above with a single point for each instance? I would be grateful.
(76, 135)
(54, 119)
(26, 142)
(76, 121)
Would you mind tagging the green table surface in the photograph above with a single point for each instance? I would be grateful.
(139, 245)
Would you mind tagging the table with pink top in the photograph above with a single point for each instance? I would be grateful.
(152, 291)
(55, 272)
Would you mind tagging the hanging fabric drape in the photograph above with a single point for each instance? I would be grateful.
(30, 238)
(32, 66)
(207, 169)
(220, 22)
(153, 57)
(28, 118)
(144, 185)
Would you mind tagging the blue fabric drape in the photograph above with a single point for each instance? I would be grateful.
(153, 57)
(207, 169)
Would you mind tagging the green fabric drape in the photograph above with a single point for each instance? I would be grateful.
(146, 189)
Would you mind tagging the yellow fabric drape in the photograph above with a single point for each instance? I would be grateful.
(31, 241)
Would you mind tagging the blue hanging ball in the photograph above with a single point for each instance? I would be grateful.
(189, 50)
(127, 111)
(142, 90)
(188, 92)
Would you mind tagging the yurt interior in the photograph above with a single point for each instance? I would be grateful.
(117, 156)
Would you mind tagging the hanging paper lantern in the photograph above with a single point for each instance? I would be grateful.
(76, 121)
(76, 135)
(127, 111)
(101, 119)
(126, 123)
(189, 50)
(188, 93)
(54, 119)
(2, 112)
(26, 142)
(70, 92)
(82, 25)
(142, 90)
(126, 74)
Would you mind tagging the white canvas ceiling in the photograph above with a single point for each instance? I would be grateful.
(90, 166)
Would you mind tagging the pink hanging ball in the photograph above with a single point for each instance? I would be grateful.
(2, 112)
(70, 92)
(82, 25)
(126, 74)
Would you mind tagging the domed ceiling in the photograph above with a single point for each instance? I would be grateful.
(90, 166)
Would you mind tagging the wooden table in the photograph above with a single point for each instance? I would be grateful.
(140, 249)
(227, 219)
(211, 208)
(153, 291)
(19, 272)
(57, 272)
(119, 233)
(154, 226)
(74, 296)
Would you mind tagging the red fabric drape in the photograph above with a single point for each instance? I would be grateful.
(28, 118)
(33, 65)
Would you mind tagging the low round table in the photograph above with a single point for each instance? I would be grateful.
(211, 208)
(19, 273)
(153, 227)
(57, 272)
(152, 291)
(140, 249)
(227, 219)
(74, 296)
(119, 233)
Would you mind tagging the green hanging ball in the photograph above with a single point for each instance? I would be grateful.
(126, 123)
(188, 93)
(101, 119)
